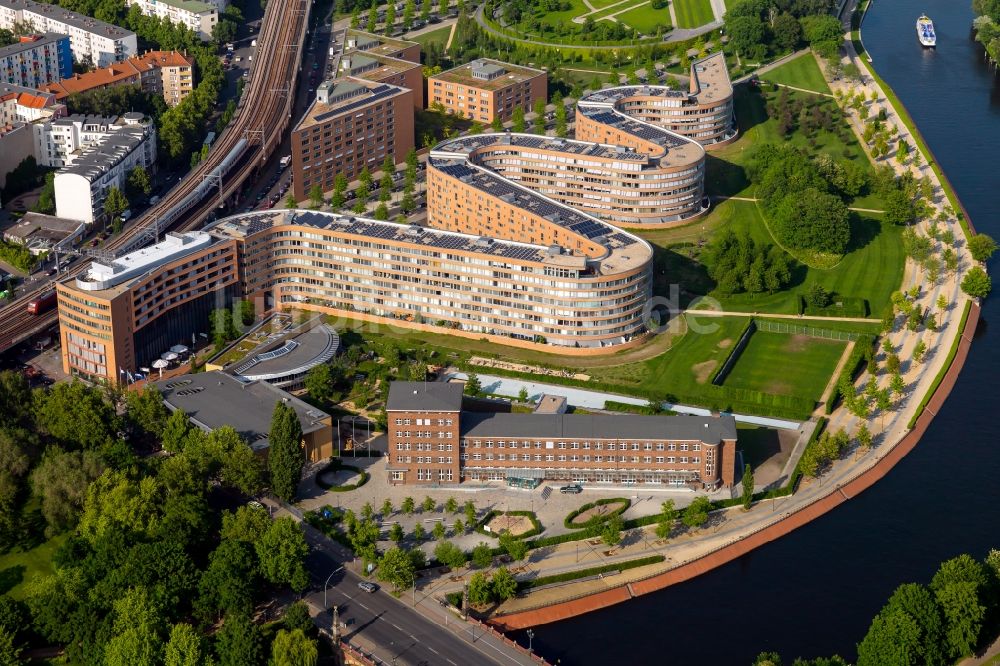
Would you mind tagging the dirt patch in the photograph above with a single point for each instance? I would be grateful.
(797, 343)
(778, 387)
(599, 510)
(703, 371)
(725, 343)
(516, 525)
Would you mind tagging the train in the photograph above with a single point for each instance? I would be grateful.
(42, 304)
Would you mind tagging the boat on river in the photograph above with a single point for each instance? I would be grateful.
(925, 31)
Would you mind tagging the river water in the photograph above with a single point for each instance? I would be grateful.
(814, 591)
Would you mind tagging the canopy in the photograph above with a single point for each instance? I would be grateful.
(160, 363)
(169, 356)
(179, 349)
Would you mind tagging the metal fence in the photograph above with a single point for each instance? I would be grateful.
(811, 331)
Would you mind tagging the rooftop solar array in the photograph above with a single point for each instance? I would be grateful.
(374, 94)
(641, 130)
(570, 146)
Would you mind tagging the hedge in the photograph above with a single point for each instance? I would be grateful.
(536, 527)
(850, 306)
(596, 520)
(328, 526)
(592, 571)
(856, 363)
(629, 408)
(334, 466)
(944, 368)
(719, 378)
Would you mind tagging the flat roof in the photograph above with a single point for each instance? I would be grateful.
(121, 271)
(48, 228)
(347, 94)
(372, 43)
(502, 74)
(289, 354)
(193, 6)
(372, 66)
(551, 404)
(95, 160)
(216, 399)
(708, 429)
(19, 47)
(424, 397)
(710, 80)
(81, 21)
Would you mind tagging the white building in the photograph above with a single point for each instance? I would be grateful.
(19, 107)
(201, 17)
(91, 41)
(59, 142)
(36, 60)
(82, 187)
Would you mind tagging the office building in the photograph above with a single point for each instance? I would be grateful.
(352, 124)
(199, 17)
(91, 41)
(168, 74)
(432, 439)
(36, 60)
(658, 180)
(485, 89)
(385, 69)
(214, 399)
(380, 45)
(121, 315)
(83, 184)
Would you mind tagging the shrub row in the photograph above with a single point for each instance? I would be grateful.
(944, 368)
(328, 526)
(852, 306)
(629, 408)
(592, 571)
(536, 527)
(856, 363)
(624, 502)
(734, 353)
(335, 466)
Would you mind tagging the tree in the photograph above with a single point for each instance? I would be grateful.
(339, 190)
(522, 395)
(419, 533)
(396, 567)
(408, 505)
(458, 526)
(47, 197)
(893, 639)
(286, 456)
(899, 208)
(115, 203)
(964, 615)
(864, 437)
(293, 648)
(10, 651)
(185, 647)
(919, 351)
(503, 585)
(396, 533)
(316, 195)
(470, 513)
(818, 297)
(449, 555)
(281, 552)
(666, 520)
(516, 548)
(787, 31)
(472, 385)
(297, 617)
(76, 416)
(747, 488)
(482, 555)
(539, 111)
(497, 124)
(517, 119)
(239, 642)
(977, 283)
(439, 530)
(226, 585)
(291, 203)
(982, 247)
(814, 220)
(138, 625)
(320, 382)
(480, 590)
(696, 514)
(390, 17)
(138, 181)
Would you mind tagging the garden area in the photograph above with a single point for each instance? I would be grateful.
(801, 72)
(814, 360)
(693, 13)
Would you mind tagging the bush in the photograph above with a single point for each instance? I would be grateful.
(596, 520)
(335, 466)
(592, 571)
(536, 527)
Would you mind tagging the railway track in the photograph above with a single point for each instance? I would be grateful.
(263, 115)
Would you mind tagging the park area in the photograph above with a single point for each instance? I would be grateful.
(693, 13)
(804, 364)
(801, 72)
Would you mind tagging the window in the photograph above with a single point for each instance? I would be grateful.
(398, 475)
(659, 447)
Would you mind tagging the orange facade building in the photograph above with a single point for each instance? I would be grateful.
(485, 89)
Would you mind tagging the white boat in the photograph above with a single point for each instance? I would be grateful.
(925, 31)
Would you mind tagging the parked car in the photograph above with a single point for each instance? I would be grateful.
(572, 489)
(368, 587)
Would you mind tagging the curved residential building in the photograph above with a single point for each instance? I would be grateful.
(703, 113)
(658, 179)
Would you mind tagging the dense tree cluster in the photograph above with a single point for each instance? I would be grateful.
(759, 28)
(146, 564)
(987, 25)
(738, 264)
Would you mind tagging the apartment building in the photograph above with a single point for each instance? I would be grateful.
(380, 45)
(200, 17)
(36, 60)
(485, 89)
(91, 41)
(19, 107)
(169, 74)
(352, 123)
(432, 440)
(82, 185)
(120, 316)
(661, 184)
(703, 113)
(385, 69)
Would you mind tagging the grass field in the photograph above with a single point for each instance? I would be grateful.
(439, 36)
(802, 72)
(17, 568)
(693, 13)
(645, 19)
(813, 360)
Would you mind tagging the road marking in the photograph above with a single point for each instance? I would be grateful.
(398, 628)
(433, 650)
(363, 606)
(450, 661)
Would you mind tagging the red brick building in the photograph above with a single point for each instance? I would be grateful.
(431, 440)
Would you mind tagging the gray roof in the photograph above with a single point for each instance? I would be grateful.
(708, 429)
(215, 399)
(18, 47)
(424, 397)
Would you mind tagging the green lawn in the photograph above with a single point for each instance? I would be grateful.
(18, 567)
(645, 19)
(556, 18)
(439, 36)
(802, 72)
(693, 13)
(808, 362)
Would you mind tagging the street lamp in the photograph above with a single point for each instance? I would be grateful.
(531, 634)
(327, 584)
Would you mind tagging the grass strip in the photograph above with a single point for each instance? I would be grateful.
(592, 571)
(944, 368)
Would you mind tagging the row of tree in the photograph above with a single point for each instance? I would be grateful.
(761, 28)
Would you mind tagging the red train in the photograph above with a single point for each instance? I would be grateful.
(42, 304)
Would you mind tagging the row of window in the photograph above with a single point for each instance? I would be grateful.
(537, 457)
(440, 422)
(419, 446)
(609, 446)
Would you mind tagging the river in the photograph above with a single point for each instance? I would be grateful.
(814, 591)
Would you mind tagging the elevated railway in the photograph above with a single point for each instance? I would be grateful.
(262, 117)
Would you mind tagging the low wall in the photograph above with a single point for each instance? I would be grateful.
(727, 553)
